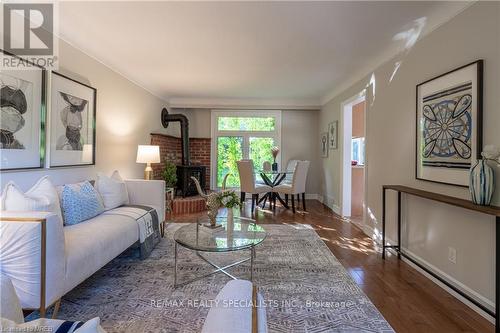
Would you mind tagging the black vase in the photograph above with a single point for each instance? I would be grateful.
(274, 166)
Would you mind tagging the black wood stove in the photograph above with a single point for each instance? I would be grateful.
(185, 171)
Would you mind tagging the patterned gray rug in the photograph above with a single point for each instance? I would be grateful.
(307, 289)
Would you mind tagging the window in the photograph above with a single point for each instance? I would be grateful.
(358, 150)
(240, 135)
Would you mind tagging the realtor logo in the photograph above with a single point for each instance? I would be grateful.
(28, 28)
(28, 32)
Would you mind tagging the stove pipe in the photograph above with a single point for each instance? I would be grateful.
(167, 118)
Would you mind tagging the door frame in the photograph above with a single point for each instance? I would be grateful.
(346, 158)
(215, 133)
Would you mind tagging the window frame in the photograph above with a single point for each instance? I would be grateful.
(360, 150)
(215, 133)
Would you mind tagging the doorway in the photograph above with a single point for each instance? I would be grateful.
(354, 163)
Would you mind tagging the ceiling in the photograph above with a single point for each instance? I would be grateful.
(245, 53)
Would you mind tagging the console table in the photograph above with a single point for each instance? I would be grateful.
(489, 210)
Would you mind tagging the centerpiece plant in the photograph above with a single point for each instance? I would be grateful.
(229, 200)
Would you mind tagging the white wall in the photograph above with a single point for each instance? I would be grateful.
(299, 137)
(431, 227)
(126, 114)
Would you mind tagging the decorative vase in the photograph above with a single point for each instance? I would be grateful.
(230, 226)
(481, 183)
(230, 215)
(275, 166)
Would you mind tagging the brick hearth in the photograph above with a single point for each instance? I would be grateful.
(188, 205)
(170, 149)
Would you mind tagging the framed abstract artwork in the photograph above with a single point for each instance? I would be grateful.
(72, 119)
(22, 121)
(324, 144)
(332, 135)
(449, 125)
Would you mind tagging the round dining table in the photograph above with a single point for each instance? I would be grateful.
(273, 179)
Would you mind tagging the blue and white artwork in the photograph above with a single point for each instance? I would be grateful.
(449, 112)
(447, 128)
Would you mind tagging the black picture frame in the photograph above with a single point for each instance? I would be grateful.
(478, 135)
(43, 115)
(94, 123)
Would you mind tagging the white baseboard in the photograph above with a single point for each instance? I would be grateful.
(480, 298)
(313, 196)
(330, 203)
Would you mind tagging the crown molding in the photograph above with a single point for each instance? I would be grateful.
(244, 103)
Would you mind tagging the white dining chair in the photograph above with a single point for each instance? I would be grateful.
(248, 184)
(297, 186)
(290, 168)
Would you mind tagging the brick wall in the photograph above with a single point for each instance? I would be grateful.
(171, 149)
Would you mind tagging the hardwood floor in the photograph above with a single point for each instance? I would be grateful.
(409, 301)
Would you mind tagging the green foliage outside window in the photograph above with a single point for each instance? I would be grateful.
(246, 124)
(229, 151)
(260, 151)
(230, 148)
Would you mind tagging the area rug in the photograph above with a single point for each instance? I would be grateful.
(306, 287)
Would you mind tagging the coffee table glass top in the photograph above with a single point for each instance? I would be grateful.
(243, 233)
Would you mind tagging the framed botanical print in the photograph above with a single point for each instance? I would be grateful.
(22, 121)
(324, 144)
(449, 125)
(332, 135)
(72, 122)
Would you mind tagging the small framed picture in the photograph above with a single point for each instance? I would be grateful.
(324, 144)
(449, 125)
(22, 132)
(72, 122)
(332, 135)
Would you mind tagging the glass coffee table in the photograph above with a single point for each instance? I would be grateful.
(243, 234)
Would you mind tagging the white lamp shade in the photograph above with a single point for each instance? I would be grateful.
(148, 154)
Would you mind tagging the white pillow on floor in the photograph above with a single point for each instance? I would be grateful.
(42, 197)
(112, 190)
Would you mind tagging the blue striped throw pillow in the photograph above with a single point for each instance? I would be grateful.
(80, 204)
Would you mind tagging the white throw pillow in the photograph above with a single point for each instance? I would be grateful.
(91, 326)
(112, 190)
(42, 197)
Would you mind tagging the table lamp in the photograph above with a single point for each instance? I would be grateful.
(148, 154)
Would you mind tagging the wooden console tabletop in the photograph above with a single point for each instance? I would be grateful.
(490, 210)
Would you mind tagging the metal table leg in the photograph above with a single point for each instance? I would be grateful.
(252, 256)
(383, 223)
(175, 264)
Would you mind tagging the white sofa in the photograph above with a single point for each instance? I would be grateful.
(73, 253)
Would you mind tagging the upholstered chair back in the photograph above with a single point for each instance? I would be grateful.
(300, 177)
(290, 167)
(247, 176)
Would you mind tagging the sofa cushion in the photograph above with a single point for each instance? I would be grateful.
(42, 197)
(80, 204)
(93, 243)
(112, 190)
